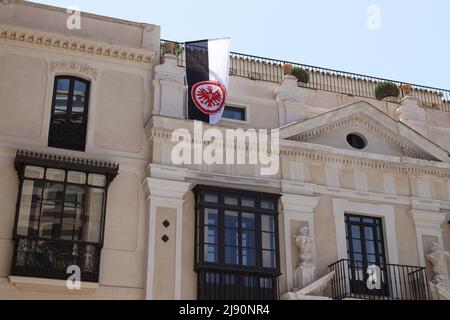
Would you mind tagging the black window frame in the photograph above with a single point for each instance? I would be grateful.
(240, 110)
(201, 204)
(66, 136)
(48, 257)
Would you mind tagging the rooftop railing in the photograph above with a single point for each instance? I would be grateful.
(329, 80)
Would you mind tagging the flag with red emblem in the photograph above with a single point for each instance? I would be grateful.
(207, 74)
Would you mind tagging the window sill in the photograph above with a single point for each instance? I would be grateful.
(50, 285)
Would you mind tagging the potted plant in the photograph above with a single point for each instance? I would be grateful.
(386, 89)
(287, 69)
(301, 74)
(172, 48)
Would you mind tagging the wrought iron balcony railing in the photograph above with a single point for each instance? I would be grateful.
(47, 258)
(360, 280)
(214, 284)
(329, 80)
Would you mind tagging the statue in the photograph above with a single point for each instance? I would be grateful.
(304, 242)
(304, 274)
(437, 257)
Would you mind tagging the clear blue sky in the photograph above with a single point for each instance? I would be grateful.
(412, 45)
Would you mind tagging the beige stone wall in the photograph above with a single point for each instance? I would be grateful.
(119, 107)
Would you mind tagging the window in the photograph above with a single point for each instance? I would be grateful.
(356, 141)
(60, 215)
(234, 113)
(68, 122)
(236, 244)
(365, 247)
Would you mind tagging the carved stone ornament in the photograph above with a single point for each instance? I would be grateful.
(304, 242)
(437, 257)
(73, 67)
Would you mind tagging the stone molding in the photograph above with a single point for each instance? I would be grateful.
(73, 67)
(53, 41)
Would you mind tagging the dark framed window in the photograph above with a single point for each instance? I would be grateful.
(69, 116)
(60, 215)
(365, 247)
(237, 244)
(234, 113)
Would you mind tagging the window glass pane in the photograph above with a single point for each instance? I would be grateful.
(248, 221)
(370, 247)
(231, 255)
(55, 174)
(248, 257)
(368, 233)
(267, 223)
(231, 219)
(95, 203)
(231, 200)
(356, 246)
(211, 197)
(63, 85)
(248, 202)
(268, 241)
(357, 257)
(369, 220)
(73, 213)
(249, 281)
(79, 89)
(76, 177)
(96, 180)
(356, 232)
(267, 204)
(211, 217)
(210, 253)
(211, 235)
(355, 219)
(30, 203)
(34, 172)
(269, 260)
(231, 237)
(51, 210)
(234, 113)
(248, 239)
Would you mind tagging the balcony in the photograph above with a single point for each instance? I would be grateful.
(389, 281)
(328, 80)
(214, 284)
(45, 258)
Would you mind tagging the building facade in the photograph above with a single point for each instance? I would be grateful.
(358, 206)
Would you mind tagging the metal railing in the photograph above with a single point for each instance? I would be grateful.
(48, 258)
(236, 285)
(360, 280)
(329, 80)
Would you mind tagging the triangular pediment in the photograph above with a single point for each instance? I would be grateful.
(382, 133)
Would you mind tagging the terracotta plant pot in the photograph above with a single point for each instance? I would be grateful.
(406, 88)
(287, 69)
(169, 47)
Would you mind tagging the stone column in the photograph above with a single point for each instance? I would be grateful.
(164, 194)
(299, 208)
(169, 88)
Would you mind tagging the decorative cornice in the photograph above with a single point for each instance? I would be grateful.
(48, 160)
(355, 120)
(73, 67)
(75, 45)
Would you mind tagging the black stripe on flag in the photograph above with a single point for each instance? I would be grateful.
(197, 70)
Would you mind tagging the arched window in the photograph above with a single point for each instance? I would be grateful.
(68, 122)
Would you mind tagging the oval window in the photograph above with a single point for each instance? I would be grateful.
(356, 141)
